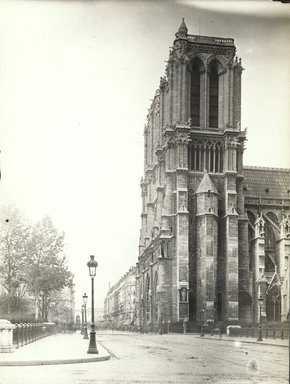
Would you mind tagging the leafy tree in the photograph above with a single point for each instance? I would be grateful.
(32, 264)
(14, 235)
(46, 269)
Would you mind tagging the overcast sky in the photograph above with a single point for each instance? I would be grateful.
(76, 79)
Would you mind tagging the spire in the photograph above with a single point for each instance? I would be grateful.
(182, 31)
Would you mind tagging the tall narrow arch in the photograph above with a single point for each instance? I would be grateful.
(270, 249)
(196, 68)
(155, 282)
(273, 304)
(213, 94)
(251, 217)
(147, 293)
(251, 235)
(272, 217)
(147, 297)
(155, 296)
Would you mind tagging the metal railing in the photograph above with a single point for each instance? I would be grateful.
(267, 332)
(27, 333)
(211, 40)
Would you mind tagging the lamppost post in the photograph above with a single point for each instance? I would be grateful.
(83, 321)
(201, 322)
(85, 300)
(260, 320)
(92, 264)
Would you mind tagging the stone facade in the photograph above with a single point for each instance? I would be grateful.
(201, 252)
(119, 305)
(193, 169)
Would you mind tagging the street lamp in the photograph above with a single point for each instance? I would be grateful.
(92, 264)
(202, 320)
(260, 300)
(85, 300)
(83, 321)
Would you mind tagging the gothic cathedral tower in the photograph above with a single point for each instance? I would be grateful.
(193, 253)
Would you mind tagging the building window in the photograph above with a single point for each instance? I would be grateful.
(148, 293)
(195, 92)
(213, 95)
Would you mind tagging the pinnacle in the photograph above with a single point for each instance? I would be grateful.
(182, 31)
(206, 185)
(183, 25)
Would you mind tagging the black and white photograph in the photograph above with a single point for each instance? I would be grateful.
(144, 191)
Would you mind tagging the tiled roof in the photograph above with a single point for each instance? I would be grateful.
(273, 183)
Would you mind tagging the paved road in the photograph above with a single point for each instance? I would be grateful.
(165, 359)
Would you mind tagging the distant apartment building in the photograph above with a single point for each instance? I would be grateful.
(120, 302)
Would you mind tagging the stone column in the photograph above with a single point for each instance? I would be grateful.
(229, 278)
(237, 85)
(165, 287)
(166, 227)
(6, 336)
(284, 267)
(230, 94)
(259, 264)
(206, 248)
(182, 220)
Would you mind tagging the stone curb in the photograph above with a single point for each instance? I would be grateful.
(246, 341)
(54, 362)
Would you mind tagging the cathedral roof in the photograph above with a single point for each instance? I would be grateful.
(206, 185)
(267, 182)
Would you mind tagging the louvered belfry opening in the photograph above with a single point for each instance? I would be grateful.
(196, 69)
(213, 95)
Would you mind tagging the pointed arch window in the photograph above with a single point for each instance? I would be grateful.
(213, 94)
(148, 297)
(251, 236)
(196, 69)
(155, 296)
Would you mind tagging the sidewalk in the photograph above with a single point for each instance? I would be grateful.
(55, 349)
(273, 342)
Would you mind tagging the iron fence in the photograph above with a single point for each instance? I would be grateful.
(267, 332)
(27, 333)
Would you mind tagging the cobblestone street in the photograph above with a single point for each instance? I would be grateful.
(173, 358)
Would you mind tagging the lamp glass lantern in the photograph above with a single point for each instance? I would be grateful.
(92, 265)
(85, 298)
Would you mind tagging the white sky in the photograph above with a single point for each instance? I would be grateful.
(76, 79)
